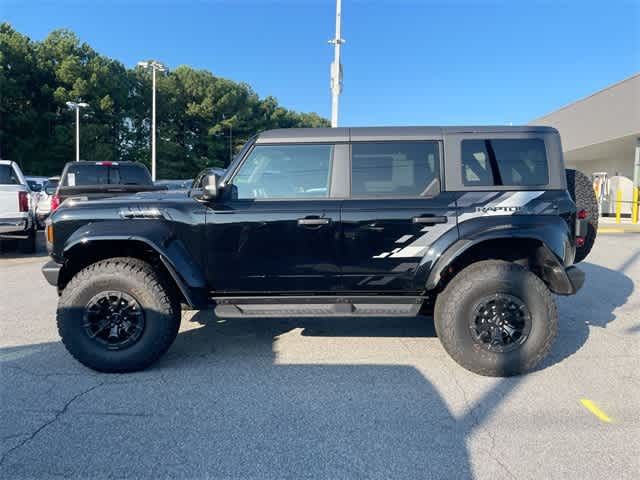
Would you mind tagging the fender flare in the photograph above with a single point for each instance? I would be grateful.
(550, 257)
(184, 271)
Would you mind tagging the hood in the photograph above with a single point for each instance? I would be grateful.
(141, 198)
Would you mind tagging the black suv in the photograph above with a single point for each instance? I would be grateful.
(474, 225)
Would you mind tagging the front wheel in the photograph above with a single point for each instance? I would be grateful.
(496, 318)
(118, 315)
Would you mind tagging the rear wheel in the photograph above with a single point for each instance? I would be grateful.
(496, 318)
(118, 315)
(581, 190)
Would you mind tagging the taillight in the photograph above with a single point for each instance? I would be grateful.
(579, 241)
(582, 214)
(23, 201)
(55, 202)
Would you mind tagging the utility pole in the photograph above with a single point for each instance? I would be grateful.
(77, 106)
(336, 67)
(155, 66)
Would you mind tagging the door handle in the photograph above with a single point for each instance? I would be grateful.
(313, 222)
(430, 220)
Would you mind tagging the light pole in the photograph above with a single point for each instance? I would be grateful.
(336, 67)
(155, 66)
(77, 106)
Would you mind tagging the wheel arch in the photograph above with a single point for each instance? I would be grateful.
(545, 259)
(172, 260)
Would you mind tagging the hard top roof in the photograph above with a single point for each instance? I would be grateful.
(105, 162)
(345, 134)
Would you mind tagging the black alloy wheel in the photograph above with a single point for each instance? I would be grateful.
(114, 319)
(500, 323)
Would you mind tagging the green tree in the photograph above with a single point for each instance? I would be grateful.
(197, 112)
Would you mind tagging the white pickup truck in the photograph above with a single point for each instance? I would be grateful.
(16, 207)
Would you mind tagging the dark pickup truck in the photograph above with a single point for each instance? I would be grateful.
(95, 180)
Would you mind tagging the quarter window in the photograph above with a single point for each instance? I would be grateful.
(508, 162)
(394, 169)
(285, 171)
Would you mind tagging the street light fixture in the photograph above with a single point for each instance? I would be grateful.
(77, 106)
(155, 67)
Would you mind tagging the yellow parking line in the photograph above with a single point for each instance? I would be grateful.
(589, 405)
(614, 230)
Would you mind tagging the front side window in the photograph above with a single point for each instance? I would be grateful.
(393, 169)
(285, 171)
(504, 162)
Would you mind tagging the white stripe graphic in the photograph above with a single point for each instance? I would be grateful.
(404, 238)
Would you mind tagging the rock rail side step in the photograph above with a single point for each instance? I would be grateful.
(369, 306)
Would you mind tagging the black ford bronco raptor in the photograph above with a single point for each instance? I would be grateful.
(473, 225)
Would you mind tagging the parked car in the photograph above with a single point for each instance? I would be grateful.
(35, 183)
(16, 207)
(94, 180)
(173, 185)
(472, 224)
(43, 205)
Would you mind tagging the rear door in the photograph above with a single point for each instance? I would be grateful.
(395, 212)
(277, 228)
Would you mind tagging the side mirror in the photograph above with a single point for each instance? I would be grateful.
(210, 187)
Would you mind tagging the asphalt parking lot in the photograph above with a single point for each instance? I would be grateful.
(325, 398)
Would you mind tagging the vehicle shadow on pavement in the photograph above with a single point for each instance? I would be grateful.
(9, 248)
(270, 398)
(593, 306)
(224, 404)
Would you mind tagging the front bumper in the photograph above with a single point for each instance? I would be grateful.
(51, 271)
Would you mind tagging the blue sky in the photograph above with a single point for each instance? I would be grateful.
(406, 62)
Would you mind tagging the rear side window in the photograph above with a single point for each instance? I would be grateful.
(393, 169)
(504, 162)
(8, 175)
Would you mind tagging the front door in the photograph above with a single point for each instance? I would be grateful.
(395, 212)
(276, 230)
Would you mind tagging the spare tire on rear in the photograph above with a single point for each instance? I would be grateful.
(581, 190)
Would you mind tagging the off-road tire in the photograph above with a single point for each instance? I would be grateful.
(136, 278)
(453, 312)
(28, 245)
(581, 190)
